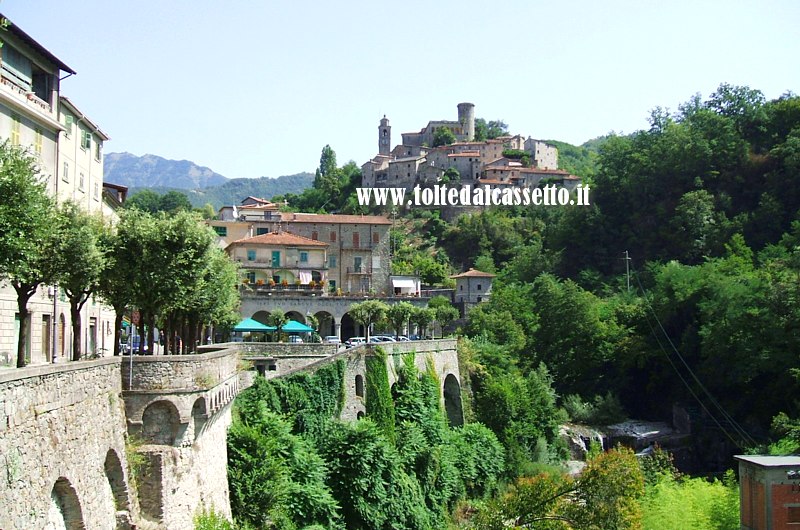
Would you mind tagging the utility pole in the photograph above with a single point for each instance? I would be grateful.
(628, 269)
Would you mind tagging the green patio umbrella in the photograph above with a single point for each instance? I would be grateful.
(248, 324)
(294, 326)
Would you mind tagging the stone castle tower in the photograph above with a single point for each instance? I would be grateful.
(385, 137)
(466, 117)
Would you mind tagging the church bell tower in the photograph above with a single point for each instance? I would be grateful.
(384, 137)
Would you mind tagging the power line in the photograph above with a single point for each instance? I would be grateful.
(745, 437)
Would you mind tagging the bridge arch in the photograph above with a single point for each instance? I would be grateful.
(65, 508)
(452, 401)
(160, 423)
(199, 415)
(116, 479)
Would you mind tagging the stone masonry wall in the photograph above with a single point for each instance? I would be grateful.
(443, 353)
(179, 372)
(196, 476)
(61, 433)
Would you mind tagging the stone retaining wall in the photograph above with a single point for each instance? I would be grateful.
(179, 372)
(62, 438)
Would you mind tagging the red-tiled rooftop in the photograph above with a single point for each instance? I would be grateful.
(334, 218)
(280, 238)
(472, 273)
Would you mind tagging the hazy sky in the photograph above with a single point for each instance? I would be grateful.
(258, 88)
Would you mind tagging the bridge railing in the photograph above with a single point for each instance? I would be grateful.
(168, 373)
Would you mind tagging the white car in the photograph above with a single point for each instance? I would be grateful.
(331, 339)
(355, 341)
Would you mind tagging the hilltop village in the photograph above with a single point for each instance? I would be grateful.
(502, 161)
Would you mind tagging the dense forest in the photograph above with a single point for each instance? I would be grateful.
(679, 284)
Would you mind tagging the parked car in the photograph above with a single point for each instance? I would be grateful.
(403, 338)
(332, 339)
(295, 339)
(355, 341)
(381, 338)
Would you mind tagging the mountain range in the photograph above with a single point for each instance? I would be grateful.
(200, 184)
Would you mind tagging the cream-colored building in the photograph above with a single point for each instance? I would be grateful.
(281, 258)
(358, 257)
(68, 148)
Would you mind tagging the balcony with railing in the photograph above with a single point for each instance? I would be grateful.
(364, 245)
(280, 289)
(363, 269)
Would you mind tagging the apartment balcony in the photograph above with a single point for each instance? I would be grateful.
(363, 270)
(265, 289)
(265, 264)
(360, 246)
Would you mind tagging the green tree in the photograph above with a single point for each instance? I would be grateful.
(443, 136)
(605, 496)
(450, 176)
(367, 313)
(422, 317)
(174, 201)
(489, 131)
(27, 222)
(446, 315)
(78, 256)
(398, 315)
(145, 200)
(277, 318)
(114, 284)
(169, 254)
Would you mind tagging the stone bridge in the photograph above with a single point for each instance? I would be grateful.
(64, 454)
(284, 359)
(63, 450)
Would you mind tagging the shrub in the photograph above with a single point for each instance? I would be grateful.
(602, 410)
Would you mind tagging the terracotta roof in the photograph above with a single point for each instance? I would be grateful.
(472, 273)
(334, 218)
(257, 199)
(493, 181)
(264, 206)
(546, 171)
(280, 238)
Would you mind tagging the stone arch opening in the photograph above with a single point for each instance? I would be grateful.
(199, 415)
(452, 401)
(262, 316)
(349, 327)
(296, 315)
(327, 325)
(160, 423)
(360, 385)
(65, 508)
(116, 479)
(360, 415)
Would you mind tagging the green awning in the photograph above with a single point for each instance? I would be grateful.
(294, 326)
(249, 324)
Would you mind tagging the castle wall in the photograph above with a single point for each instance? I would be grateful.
(58, 425)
